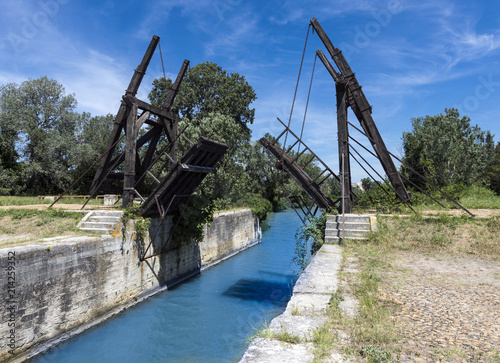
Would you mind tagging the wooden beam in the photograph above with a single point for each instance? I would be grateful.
(148, 157)
(130, 158)
(150, 108)
(103, 169)
(335, 75)
(198, 169)
(122, 115)
(343, 139)
(179, 181)
(141, 120)
(140, 71)
(174, 89)
(362, 109)
(299, 175)
(140, 143)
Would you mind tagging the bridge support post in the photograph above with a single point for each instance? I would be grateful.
(130, 158)
(343, 138)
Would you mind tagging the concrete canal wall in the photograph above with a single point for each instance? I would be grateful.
(51, 291)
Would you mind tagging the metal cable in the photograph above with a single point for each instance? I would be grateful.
(162, 65)
(307, 102)
(293, 104)
(297, 83)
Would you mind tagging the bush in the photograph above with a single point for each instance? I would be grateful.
(5, 191)
(375, 354)
(315, 229)
(469, 196)
(260, 206)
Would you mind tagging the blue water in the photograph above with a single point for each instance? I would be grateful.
(205, 319)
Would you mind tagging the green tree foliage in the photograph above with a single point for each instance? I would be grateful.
(215, 104)
(207, 89)
(92, 138)
(9, 169)
(376, 193)
(264, 177)
(44, 143)
(447, 149)
(44, 120)
(493, 171)
(230, 182)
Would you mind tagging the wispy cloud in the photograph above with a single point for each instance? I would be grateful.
(97, 80)
(452, 34)
(159, 11)
(238, 33)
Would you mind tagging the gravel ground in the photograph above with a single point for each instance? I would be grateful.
(447, 308)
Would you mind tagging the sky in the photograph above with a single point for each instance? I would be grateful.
(412, 58)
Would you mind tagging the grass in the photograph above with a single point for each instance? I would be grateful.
(370, 332)
(324, 339)
(372, 335)
(12, 201)
(22, 226)
(283, 335)
(471, 197)
(443, 234)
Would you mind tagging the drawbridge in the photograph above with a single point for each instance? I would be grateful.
(349, 94)
(144, 135)
(312, 186)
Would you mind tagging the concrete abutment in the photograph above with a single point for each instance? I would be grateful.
(58, 289)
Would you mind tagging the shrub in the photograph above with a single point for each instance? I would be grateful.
(260, 206)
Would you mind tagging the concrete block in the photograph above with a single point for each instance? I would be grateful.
(110, 199)
(273, 351)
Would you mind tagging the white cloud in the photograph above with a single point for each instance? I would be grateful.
(97, 80)
(238, 33)
(7, 77)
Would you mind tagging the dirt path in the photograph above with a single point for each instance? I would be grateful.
(448, 308)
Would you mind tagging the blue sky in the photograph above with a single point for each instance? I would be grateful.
(412, 58)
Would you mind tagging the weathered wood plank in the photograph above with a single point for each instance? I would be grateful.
(130, 158)
(174, 89)
(103, 170)
(362, 109)
(343, 140)
(299, 175)
(185, 177)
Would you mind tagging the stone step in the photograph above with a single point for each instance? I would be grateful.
(100, 221)
(356, 227)
(349, 225)
(98, 225)
(100, 230)
(110, 219)
(348, 218)
(108, 213)
(348, 233)
(336, 240)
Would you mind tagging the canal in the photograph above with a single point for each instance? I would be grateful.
(208, 318)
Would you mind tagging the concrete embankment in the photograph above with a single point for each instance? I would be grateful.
(51, 291)
(305, 312)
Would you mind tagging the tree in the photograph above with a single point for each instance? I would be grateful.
(9, 168)
(215, 104)
(43, 124)
(493, 171)
(230, 182)
(265, 178)
(207, 88)
(92, 138)
(447, 149)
